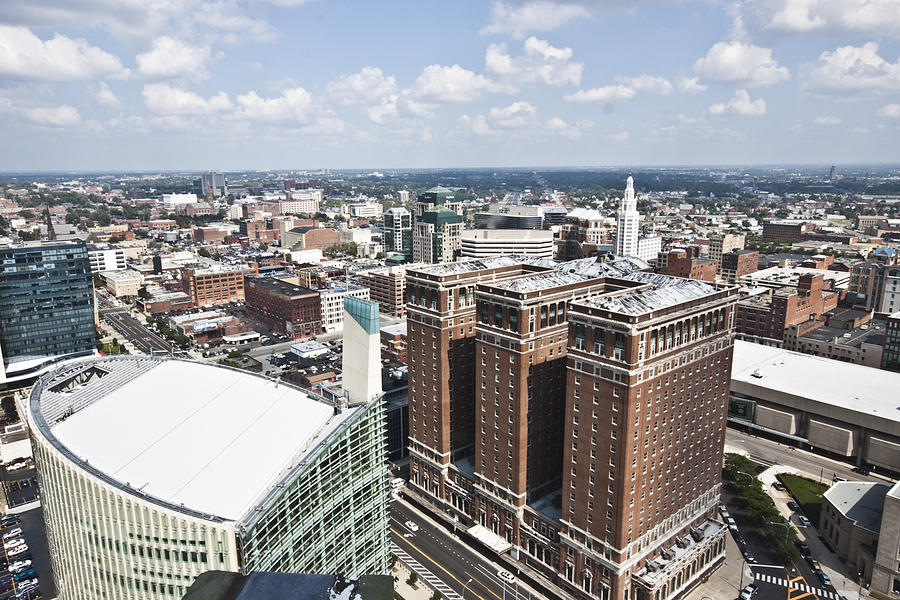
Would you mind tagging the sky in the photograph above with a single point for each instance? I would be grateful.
(305, 84)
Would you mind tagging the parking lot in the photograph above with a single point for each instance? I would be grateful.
(25, 570)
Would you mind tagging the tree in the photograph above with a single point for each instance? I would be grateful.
(9, 408)
(413, 578)
(436, 595)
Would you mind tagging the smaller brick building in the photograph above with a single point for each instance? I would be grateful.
(393, 342)
(216, 285)
(737, 263)
(287, 308)
(679, 264)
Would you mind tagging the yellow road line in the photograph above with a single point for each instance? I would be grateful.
(439, 566)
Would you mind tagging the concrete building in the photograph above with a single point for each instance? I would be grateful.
(482, 243)
(563, 356)
(721, 245)
(849, 335)
(218, 284)
(357, 235)
(885, 576)
(436, 236)
(106, 257)
(287, 308)
(396, 233)
(309, 238)
(163, 302)
(361, 354)
(363, 210)
(312, 496)
(830, 406)
(211, 183)
(332, 302)
(736, 264)
(301, 202)
(122, 283)
(387, 287)
(628, 223)
(46, 308)
(172, 201)
(850, 522)
(393, 342)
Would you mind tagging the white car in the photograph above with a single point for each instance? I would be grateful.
(804, 521)
(748, 592)
(19, 565)
(12, 533)
(412, 526)
(13, 543)
(17, 466)
(26, 583)
(17, 550)
(506, 576)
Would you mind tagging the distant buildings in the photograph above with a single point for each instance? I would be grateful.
(211, 182)
(397, 231)
(736, 263)
(332, 301)
(46, 307)
(309, 238)
(849, 335)
(875, 284)
(679, 264)
(393, 343)
(122, 283)
(172, 201)
(482, 243)
(301, 202)
(787, 231)
(219, 284)
(287, 308)
(629, 241)
(890, 358)
(504, 216)
(387, 287)
(106, 257)
(723, 244)
(157, 443)
(764, 318)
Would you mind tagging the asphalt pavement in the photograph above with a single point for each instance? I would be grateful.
(137, 333)
(464, 572)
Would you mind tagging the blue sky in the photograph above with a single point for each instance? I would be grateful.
(241, 84)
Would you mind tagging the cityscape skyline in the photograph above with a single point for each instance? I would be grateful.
(257, 85)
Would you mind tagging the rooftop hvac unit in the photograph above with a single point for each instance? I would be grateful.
(682, 542)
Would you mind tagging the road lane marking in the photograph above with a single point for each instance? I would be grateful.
(445, 570)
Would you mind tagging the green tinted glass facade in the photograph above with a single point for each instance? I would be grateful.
(364, 312)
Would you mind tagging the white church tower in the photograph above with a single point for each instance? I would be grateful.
(627, 223)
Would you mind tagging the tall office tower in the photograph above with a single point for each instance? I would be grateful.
(403, 197)
(437, 197)
(591, 441)
(397, 231)
(628, 221)
(46, 307)
(437, 226)
(211, 181)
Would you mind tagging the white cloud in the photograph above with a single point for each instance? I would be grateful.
(474, 126)
(440, 84)
(515, 116)
(169, 57)
(653, 84)
(541, 64)
(539, 15)
(573, 131)
(868, 17)
(399, 106)
(853, 70)
(292, 106)
(827, 121)
(618, 136)
(740, 64)
(166, 100)
(55, 116)
(105, 96)
(890, 110)
(602, 94)
(691, 85)
(23, 55)
(740, 104)
(367, 86)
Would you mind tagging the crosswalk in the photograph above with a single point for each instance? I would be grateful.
(799, 586)
(424, 573)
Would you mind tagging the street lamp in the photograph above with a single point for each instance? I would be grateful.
(466, 587)
(859, 592)
(787, 528)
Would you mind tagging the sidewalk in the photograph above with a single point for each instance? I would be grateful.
(401, 573)
(831, 564)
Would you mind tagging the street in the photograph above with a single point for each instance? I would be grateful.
(137, 333)
(448, 560)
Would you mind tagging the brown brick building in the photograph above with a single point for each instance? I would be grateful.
(216, 285)
(209, 235)
(788, 231)
(393, 343)
(387, 287)
(591, 436)
(765, 318)
(287, 308)
(737, 263)
(679, 264)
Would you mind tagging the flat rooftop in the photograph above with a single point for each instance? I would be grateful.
(841, 384)
(209, 439)
(279, 286)
(859, 501)
(666, 291)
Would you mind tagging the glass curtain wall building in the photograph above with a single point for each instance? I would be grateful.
(46, 305)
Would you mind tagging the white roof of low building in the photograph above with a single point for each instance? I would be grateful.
(213, 440)
(865, 390)
(860, 501)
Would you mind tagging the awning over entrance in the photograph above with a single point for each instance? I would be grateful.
(489, 539)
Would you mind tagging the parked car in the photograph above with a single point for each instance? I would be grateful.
(10, 544)
(731, 523)
(749, 556)
(778, 486)
(813, 563)
(804, 521)
(749, 591)
(506, 576)
(793, 506)
(19, 565)
(803, 547)
(860, 470)
(412, 526)
(24, 575)
(26, 582)
(17, 466)
(823, 577)
(17, 550)
(12, 533)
